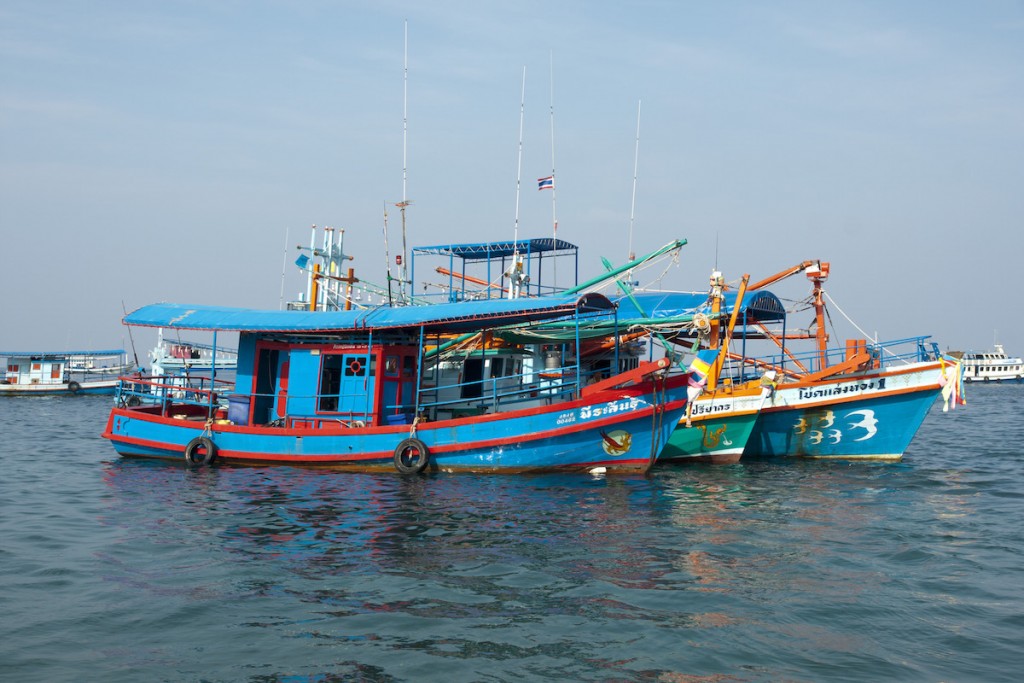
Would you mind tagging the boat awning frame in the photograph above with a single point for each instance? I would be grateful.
(452, 317)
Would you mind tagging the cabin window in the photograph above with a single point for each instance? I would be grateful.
(55, 371)
(330, 381)
(355, 366)
(408, 366)
(497, 367)
(37, 366)
(472, 378)
(391, 366)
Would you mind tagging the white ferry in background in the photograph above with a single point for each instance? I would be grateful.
(990, 366)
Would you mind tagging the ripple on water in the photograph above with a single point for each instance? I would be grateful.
(760, 571)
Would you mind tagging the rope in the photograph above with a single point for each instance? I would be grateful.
(857, 327)
(657, 418)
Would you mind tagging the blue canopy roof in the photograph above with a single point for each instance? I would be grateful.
(762, 305)
(451, 317)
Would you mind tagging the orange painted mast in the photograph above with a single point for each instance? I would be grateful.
(716, 369)
(781, 275)
(314, 290)
(818, 274)
(349, 280)
(717, 287)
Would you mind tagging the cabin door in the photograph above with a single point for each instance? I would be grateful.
(348, 384)
(355, 396)
(267, 369)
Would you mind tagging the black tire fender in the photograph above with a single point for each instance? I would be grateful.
(411, 456)
(74, 387)
(200, 451)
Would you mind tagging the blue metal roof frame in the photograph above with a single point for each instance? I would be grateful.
(761, 305)
(59, 354)
(484, 250)
(450, 317)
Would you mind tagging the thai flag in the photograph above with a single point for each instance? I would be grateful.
(546, 183)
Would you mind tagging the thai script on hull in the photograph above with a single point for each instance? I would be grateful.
(842, 389)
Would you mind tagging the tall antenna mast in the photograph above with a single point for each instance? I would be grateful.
(554, 215)
(519, 167)
(405, 163)
(515, 271)
(284, 264)
(636, 164)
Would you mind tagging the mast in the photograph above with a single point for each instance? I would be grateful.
(387, 253)
(818, 274)
(636, 166)
(309, 273)
(404, 272)
(554, 215)
(515, 270)
(284, 265)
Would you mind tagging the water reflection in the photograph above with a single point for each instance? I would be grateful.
(544, 576)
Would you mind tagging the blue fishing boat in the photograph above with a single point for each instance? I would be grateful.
(63, 373)
(368, 390)
(862, 400)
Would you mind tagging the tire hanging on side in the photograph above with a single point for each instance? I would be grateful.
(200, 451)
(411, 456)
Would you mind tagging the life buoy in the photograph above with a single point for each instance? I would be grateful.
(354, 366)
(200, 451)
(411, 456)
(74, 387)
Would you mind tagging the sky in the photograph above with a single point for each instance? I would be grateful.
(179, 150)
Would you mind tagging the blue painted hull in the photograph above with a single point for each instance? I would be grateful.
(869, 417)
(621, 430)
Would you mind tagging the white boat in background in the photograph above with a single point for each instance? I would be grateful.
(181, 358)
(182, 368)
(990, 366)
(48, 373)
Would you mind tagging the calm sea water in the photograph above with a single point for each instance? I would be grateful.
(123, 570)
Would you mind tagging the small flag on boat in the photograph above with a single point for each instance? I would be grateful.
(302, 261)
(701, 365)
(546, 183)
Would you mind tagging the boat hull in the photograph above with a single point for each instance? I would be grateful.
(620, 430)
(873, 416)
(98, 388)
(718, 430)
(994, 379)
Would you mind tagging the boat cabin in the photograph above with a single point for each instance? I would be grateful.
(35, 369)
